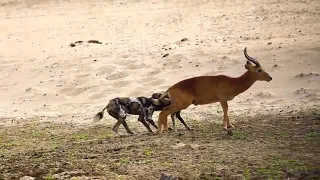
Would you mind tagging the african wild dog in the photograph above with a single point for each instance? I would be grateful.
(121, 106)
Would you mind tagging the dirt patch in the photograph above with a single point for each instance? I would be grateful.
(274, 146)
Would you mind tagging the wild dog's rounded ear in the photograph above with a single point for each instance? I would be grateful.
(156, 95)
(248, 66)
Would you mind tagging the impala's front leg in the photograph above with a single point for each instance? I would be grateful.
(224, 105)
(229, 124)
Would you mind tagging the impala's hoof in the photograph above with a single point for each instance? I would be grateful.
(190, 129)
(230, 126)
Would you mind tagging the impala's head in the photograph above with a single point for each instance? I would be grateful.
(254, 67)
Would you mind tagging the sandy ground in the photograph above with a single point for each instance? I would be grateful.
(43, 78)
(41, 75)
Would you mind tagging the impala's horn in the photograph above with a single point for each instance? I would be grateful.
(250, 58)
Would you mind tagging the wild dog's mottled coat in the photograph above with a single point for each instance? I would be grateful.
(120, 107)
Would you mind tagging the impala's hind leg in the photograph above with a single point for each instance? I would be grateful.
(180, 100)
(172, 109)
(182, 121)
(163, 117)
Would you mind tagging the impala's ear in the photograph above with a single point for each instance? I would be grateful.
(249, 66)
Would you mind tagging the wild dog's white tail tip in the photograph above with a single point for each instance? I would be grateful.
(99, 115)
(96, 118)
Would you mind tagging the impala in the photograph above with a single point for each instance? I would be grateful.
(211, 89)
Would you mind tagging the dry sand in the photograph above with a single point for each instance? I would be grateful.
(43, 78)
(41, 75)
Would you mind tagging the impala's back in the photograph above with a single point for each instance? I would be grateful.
(206, 89)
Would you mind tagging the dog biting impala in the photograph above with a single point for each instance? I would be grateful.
(210, 89)
(144, 107)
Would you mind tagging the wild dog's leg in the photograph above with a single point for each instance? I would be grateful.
(149, 118)
(152, 123)
(173, 122)
(224, 105)
(124, 123)
(116, 126)
(143, 121)
(182, 121)
(121, 117)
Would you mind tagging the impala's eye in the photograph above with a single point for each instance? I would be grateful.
(259, 70)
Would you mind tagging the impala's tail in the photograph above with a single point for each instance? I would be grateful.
(164, 95)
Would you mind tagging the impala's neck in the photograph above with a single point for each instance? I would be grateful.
(244, 82)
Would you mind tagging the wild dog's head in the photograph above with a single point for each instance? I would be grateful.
(163, 102)
(156, 95)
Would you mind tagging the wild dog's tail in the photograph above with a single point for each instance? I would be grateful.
(99, 115)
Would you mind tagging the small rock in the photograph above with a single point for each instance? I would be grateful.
(27, 178)
(269, 43)
(80, 178)
(94, 41)
(165, 55)
(95, 60)
(72, 44)
(184, 39)
(164, 176)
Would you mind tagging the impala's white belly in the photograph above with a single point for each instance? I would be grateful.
(229, 98)
(213, 100)
(202, 102)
